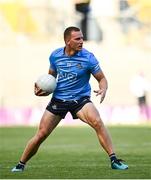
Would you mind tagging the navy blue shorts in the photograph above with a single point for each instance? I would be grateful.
(61, 107)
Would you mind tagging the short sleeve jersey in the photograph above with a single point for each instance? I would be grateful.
(73, 73)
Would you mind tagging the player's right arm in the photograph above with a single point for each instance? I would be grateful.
(52, 72)
(40, 92)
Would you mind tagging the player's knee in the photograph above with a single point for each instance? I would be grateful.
(42, 135)
(97, 123)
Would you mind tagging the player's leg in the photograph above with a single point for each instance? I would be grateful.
(90, 115)
(48, 122)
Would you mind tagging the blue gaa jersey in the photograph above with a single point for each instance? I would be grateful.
(73, 73)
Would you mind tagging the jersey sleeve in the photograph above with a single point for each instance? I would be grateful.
(94, 66)
(52, 64)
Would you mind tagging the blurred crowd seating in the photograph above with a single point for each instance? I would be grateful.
(118, 33)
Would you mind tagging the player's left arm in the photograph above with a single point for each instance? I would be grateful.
(103, 85)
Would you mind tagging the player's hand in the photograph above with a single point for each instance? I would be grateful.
(102, 93)
(39, 92)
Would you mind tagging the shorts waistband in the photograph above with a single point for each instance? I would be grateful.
(70, 101)
(67, 101)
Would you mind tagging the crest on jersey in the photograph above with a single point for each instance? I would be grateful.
(79, 66)
(69, 64)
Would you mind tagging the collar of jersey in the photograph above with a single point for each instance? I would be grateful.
(76, 54)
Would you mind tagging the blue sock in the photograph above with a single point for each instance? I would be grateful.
(21, 163)
(112, 157)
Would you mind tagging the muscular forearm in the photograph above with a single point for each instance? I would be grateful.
(103, 84)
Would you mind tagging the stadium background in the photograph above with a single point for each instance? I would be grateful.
(30, 30)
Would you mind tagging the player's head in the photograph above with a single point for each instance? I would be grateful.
(73, 38)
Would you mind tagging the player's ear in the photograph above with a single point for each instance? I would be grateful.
(67, 42)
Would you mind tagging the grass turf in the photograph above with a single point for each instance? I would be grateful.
(74, 153)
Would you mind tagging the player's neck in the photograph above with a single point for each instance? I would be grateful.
(70, 52)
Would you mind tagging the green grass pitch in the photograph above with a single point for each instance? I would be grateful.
(75, 153)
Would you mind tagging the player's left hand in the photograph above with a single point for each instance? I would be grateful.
(100, 92)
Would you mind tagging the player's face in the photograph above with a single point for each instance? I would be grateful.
(76, 40)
